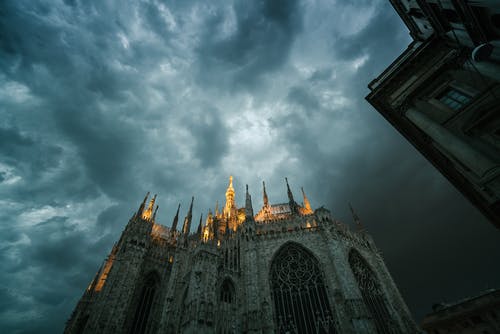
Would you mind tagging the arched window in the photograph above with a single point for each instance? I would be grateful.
(299, 293)
(371, 292)
(145, 301)
(227, 292)
(226, 315)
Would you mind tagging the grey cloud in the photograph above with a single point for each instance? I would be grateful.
(98, 124)
(303, 98)
(264, 34)
(210, 134)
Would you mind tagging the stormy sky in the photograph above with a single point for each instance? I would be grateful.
(102, 101)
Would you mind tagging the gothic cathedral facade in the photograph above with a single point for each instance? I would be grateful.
(286, 269)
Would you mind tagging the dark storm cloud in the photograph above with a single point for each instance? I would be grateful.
(259, 43)
(210, 134)
(103, 101)
(21, 150)
(302, 97)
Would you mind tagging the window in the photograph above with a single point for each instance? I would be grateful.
(454, 99)
(299, 293)
(145, 302)
(226, 317)
(371, 292)
(227, 291)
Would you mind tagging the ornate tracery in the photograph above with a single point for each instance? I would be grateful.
(371, 291)
(299, 293)
(145, 301)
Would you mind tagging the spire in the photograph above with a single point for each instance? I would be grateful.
(289, 192)
(149, 211)
(266, 199)
(176, 219)
(307, 205)
(200, 225)
(187, 221)
(154, 214)
(248, 206)
(291, 201)
(356, 219)
(143, 204)
(217, 208)
(229, 198)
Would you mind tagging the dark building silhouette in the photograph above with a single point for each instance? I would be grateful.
(479, 314)
(443, 93)
(287, 269)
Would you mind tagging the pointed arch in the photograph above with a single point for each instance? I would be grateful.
(226, 322)
(148, 292)
(371, 292)
(299, 293)
(227, 291)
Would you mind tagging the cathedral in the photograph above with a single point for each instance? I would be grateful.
(286, 269)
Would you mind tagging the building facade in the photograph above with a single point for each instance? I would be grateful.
(443, 93)
(475, 315)
(286, 269)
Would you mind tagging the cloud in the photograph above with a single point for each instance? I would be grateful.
(103, 101)
(258, 43)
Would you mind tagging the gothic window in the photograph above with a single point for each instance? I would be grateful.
(371, 292)
(227, 292)
(299, 292)
(145, 301)
(226, 315)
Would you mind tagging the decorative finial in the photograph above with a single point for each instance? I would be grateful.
(176, 219)
(307, 205)
(149, 211)
(187, 221)
(248, 206)
(143, 204)
(230, 205)
(356, 219)
(266, 199)
(291, 201)
(156, 210)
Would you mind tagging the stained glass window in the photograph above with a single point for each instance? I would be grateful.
(299, 293)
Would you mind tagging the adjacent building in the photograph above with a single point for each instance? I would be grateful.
(443, 93)
(286, 269)
(476, 315)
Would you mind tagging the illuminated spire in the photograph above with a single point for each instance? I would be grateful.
(266, 199)
(229, 199)
(307, 205)
(216, 208)
(149, 211)
(356, 219)
(154, 214)
(176, 219)
(291, 201)
(143, 204)
(187, 221)
(248, 206)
